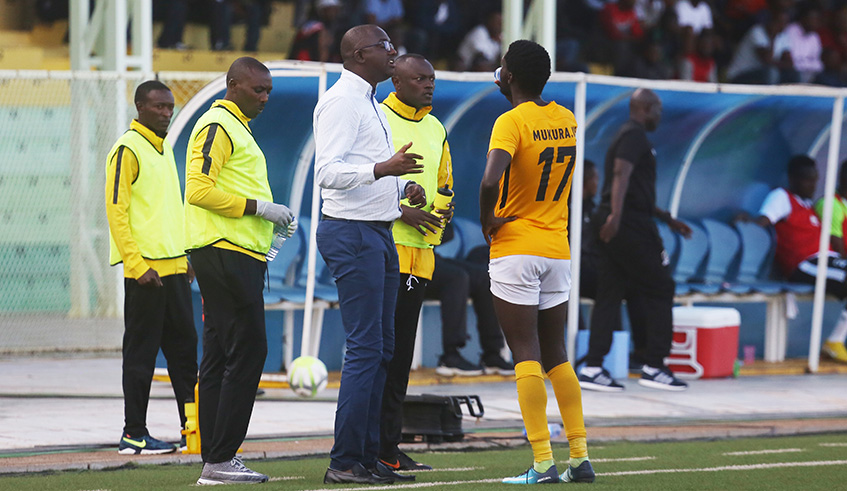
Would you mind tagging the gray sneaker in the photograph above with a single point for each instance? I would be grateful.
(232, 472)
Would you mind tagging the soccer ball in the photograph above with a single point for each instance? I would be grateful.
(307, 376)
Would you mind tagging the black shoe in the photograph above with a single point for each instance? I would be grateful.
(406, 463)
(355, 475)
(455, 364)
(496, 365)
(383, 470)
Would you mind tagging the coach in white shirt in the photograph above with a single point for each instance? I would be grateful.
(357, 168)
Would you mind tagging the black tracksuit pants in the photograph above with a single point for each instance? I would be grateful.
(632, 266)
(234, 347)
(453, 282)
(410, 296)
(157, 317)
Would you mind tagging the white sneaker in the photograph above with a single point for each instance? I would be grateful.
(232, 472)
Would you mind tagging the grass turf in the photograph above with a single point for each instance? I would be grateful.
(778, 463)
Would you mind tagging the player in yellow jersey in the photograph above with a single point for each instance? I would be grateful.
(523, 201)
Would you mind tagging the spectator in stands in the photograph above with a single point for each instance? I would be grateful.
(145, 211)
(436, 28)
(805, 43)
(789, 211)
(764, 54)
(632, 262)
(649, 12)
(574, 24)
(480, 49)
(175, 15)
(696, 14)
(833, 73)
(623, 31)
(387, 14)
(699, 63)
(318, 38)
(652, 64)
(453, 283)
(223, 14)
(834, 33)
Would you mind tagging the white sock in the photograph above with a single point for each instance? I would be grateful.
(839, 332)
(590, 371)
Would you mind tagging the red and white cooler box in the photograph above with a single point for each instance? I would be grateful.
(705, 342)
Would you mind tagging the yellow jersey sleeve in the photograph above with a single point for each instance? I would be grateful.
(121, 173)
(505, 135)
(210, 151)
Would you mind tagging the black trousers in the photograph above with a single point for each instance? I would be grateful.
(632, 266)
(453, 282)
(234, 347)
(157, 318)
(410, 296)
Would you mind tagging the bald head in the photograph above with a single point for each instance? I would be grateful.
(248, 85)
(643, 97)
(367, 51)
(414, 80)
(645, 107)
(359, 36)
(245, 67)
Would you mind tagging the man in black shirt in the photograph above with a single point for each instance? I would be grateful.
(631, 259)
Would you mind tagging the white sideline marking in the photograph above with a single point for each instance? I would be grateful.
(817, 463)
(449, 469)
(842, 444)
(762, 452)
(286, 478)
(750, 467)
(424, 484)
(622, 459)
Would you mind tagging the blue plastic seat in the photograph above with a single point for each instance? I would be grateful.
(692, 254)
(471, 234)
(757, 244)
(724, 249)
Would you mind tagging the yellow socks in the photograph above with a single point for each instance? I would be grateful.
(532, 397)
(569, 398)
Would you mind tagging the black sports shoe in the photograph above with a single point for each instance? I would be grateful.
(406, 463)
(356, 475)
(660, 378)
(496, 365)
(455, 364)
(383, 470)
(602, 381)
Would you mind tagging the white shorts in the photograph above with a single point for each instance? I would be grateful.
(531, 280)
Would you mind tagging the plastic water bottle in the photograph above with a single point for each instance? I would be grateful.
(281, 234)
(554, 428)
(442, 200)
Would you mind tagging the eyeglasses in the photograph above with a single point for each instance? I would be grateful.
(388, 45)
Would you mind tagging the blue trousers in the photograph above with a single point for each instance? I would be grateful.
(363, 260)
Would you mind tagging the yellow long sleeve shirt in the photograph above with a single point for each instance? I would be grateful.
(119, 178)
(200, 181)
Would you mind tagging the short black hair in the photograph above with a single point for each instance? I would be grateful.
(147, 87)
(410, 56)
(799, 164)
(529, 63)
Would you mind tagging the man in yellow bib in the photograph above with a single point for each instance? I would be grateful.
(144, 209)
(229, 223)
(523, 203)
(407, 110)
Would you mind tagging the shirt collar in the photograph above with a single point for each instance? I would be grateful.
(404, 110)
(148, 134)
(234, 109)
(359, 84)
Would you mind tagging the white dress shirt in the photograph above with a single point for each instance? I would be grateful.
(351, 136)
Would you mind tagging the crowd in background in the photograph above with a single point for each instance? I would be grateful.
(740, 41)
